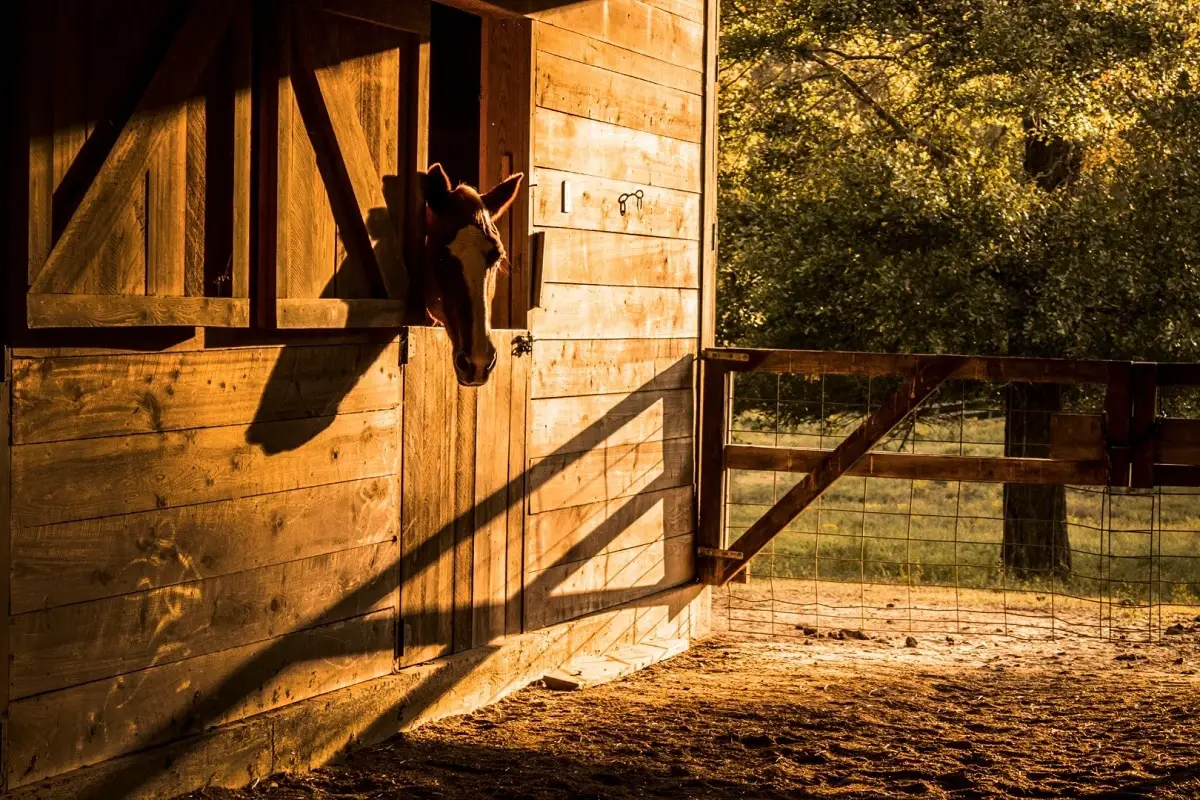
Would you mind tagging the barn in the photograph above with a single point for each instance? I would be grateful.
(250, 516)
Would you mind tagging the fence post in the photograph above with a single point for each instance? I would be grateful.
(1118, 418)
(1141, 434)
(710, 499)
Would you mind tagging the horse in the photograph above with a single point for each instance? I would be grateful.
(463, 254)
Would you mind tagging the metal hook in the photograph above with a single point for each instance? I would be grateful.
(623, 199)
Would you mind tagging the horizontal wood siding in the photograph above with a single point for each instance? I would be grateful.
(197, 537)
(617, 149)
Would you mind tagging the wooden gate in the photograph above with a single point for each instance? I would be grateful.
(463, 513)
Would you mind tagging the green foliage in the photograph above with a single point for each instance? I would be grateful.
(875, 190)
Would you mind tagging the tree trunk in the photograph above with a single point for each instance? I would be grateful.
(1036, 542)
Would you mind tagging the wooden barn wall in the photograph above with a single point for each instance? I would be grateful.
(618, 108)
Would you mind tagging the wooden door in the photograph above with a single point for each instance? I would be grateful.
(463, 515)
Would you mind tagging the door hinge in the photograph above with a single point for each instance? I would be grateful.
(522, 344)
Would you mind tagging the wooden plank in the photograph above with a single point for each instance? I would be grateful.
(89, 227)
(1118, 417)
(347, 166)
(630, 103)
(634, 26)
(464, 464)
(929, 375)
(579, 533)
(566, 368)
(74, 644)
(74, 480)
(166, 208)
(244, 219)
(576, 144)
(710, 186)
(195, 197)
(568, 44)
(93, 722)
(1142, 433)
(587, 672)
(926, 467)
(710, 509)
(338, 313)
(665, 212)
(6, 551)
(1077, 437)
(576, 479)
(94, 396)
(517, 470)
(74, 562)
(571, 311)
(427, 530)
(1178, 441)
(575, 424)
(572, 590)
(489, 515)
(617, 259)
(407, 17)
(688, 9)
(1000, 369)
(89, 311)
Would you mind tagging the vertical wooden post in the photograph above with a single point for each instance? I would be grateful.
(1118, 415)
(5, 555)
(708, 200)
(1145, 408)
(710, 494)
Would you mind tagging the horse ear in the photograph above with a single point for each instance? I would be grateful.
(437, 188)
(502, 196)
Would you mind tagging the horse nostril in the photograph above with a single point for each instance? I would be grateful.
(492, 363)
(462, 362)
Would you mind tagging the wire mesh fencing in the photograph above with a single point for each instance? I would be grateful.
(897, 555)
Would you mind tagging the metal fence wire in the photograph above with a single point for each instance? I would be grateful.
(896, 555)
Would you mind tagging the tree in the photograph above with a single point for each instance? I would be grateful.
(998, 177)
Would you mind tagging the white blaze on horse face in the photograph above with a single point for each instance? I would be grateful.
(470, 247)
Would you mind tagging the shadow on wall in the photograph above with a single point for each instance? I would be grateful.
(294, 386)
(119, 780)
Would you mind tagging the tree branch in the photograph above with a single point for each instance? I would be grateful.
(939, 155)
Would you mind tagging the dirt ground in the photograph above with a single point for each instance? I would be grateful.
(818, 716)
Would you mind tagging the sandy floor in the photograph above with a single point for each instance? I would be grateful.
(819, 717)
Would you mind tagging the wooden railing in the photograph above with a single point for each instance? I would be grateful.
(1128, 445)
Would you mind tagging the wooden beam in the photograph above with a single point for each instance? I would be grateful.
(401, 16)
(978, 368)
(95, 311)
(931, 372)
(98, 213)
(1077, 437)
(345, 161)
(1145, 407)
(925, 467)
(334, 313)
(1118, 416)
(710, 508)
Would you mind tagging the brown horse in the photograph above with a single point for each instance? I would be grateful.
(463, 253)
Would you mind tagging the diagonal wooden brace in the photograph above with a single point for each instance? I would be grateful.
(931, 372)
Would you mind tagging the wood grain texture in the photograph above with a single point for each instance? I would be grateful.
(74, 562)
(571, 311)
(566, 368)
(75, 398)
(572, 590)
(74, 644)
(635, 26)
(604, 96)
(576, 424)
(464, 461)
(409, 17)
(91, 723)
(576, 144)
(336, 313)
(568, 44)
(708, 213)
(664, 212)
(603, 474)
(617, 259)
(103, 203)
(95, 311)
(517, 487)
(166, 207)
(688, 9)
(490, 516)
(74, 480)
(579, 533)
(427, 529)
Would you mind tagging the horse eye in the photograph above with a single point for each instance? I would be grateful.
(493, 255)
